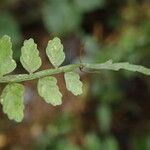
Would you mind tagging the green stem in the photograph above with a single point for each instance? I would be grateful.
(37, 75)
(109, 65)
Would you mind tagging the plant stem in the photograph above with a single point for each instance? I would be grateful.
(37, 75)
(109, 65)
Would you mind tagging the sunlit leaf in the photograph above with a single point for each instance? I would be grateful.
(12, 101)
(7, 64)
(73, 82)
(30, 56)
(55, 52)
(48, 89)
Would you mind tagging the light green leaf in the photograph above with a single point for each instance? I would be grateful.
(48, 89)
(12, 101)
(7, 64)
(73, 83)
(109, 65)
(55, 52)
(30, 56)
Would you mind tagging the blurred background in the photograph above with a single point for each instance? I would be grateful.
(114, 111)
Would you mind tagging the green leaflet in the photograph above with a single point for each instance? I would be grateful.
(73, 83)
(30, 56)
(109, 65)
(48, 89)
(7, 64)
(12, 101)
(55, 52)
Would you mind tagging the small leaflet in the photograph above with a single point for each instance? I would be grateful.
(48, 89)
(7, 64)
(12, 101)
(73, 83)
(30, 56)
(55, 52)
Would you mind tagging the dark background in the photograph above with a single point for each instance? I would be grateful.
(113, 113)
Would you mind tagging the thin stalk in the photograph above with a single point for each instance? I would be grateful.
(109, 65)
(37, 75)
